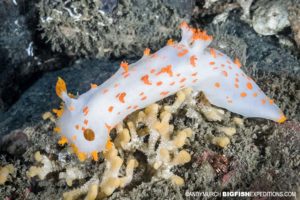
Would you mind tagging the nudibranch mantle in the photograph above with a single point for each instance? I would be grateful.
(87, 120)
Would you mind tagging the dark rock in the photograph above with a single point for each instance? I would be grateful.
(22, 58)
(14, 143)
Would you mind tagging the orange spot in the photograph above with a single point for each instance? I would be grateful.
(271, 101)
(85, 110)
(89, 134)
(281, 119)
(86, 122)
(77, 127)
(212, 63)
(93, 86)
(154, 55)
(263, 101)
(116, 85)
(147, 52)
(71, 108)
(152, 71)
(193, 59)
(144, 98)
(167, 69)
(249, 86)
(254, 94)
(81, 156)
(95, 155)
(141, 94)
(212, 52)
(184, 25)
(108, 145)
(236, 85)
(135, 107)
(164, 93)
(110, 109)
(236, 80)
(74, 137)
(63, 140)
(126, 75)
(237, 62)
(57, 129)
(220, 54)
(145, 79)
(170, 42)
(182, 80)
(60, 87)
(108, 127)
(182, 53)
(121, 97)
(172, 83)
(194, 74)
(83, 129)
(225, 73)
(58, 112)
(159, 83)
(243, 94)
(217, 85)
(105, 91)
(124, 65)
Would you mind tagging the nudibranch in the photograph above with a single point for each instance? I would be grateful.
(85, 121)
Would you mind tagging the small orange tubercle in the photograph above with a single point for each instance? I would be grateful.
(147, 52)
(63, 140)
(58, 112)
(184, 24)
(95, 155)
(237, 62)
(282, 119)
(170, 42)
(93, 86)
(60, 87)
(124, 65)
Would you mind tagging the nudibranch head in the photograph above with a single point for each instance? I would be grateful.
(79, 127)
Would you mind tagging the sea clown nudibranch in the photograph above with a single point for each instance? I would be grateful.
(86, 121)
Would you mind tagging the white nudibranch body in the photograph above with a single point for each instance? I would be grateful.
(87, 120)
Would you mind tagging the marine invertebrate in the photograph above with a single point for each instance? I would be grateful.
(5, 172)
(164, 145)
(71, 174)
(48, 166)
(86, 121)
